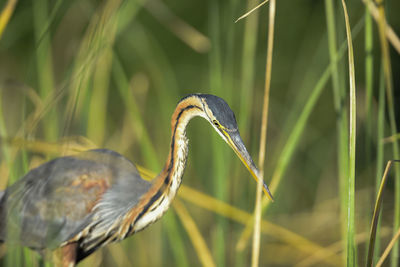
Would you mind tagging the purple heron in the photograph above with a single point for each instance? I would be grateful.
(77, 204)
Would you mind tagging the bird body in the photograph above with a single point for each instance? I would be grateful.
(88, 200)
(70, 198)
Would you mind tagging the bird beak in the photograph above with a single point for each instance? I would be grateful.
(236, 143)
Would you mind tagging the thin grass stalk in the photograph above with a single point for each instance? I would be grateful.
(341, 127)
(245, 15)
(292, 141)
(392, 120)
(230, 58)
(179, 246)
(97, 113)
(247, 75)
(13, 254)
(389, 248)
(247, 70)
(219, 166)
(369, 74)
(199, 244)
(3, 133)
(377, 211)
(263, 138)
(389, 32)
(96, 124)
(26, 252)
(97, 34)
(379, 152)
(20, 255)
(44, 65)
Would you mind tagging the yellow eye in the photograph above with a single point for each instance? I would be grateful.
(216, 123)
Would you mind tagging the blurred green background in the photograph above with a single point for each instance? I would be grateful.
(82, 74)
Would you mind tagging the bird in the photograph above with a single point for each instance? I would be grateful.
(74, 205)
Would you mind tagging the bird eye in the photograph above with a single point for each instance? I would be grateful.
(216, 123)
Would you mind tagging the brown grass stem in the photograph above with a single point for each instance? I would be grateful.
(263, 137)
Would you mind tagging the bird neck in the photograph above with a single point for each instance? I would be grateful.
(171, 176)
(166, 184)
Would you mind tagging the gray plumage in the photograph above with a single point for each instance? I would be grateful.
(57, 200)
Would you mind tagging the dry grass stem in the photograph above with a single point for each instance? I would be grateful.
(390, 34)
(194, 234)
(263, 138)
(388, 249)
(251, 11)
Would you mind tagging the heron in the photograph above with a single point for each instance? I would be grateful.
(74, 205)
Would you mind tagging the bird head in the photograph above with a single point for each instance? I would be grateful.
(223, 120)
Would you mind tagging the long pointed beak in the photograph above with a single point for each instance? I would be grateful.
(236, 143)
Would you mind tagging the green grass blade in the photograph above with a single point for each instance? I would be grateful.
(341, 111)
(247, 67)
(3, 133)
(44, 65)
(219, 166)
(369, 74)
(179, 246)
(392, 120)
(350, 218)
(96, 128)
(379, 152)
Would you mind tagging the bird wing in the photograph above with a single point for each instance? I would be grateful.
(56, 201)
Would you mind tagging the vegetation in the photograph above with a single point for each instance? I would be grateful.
(75, 75)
